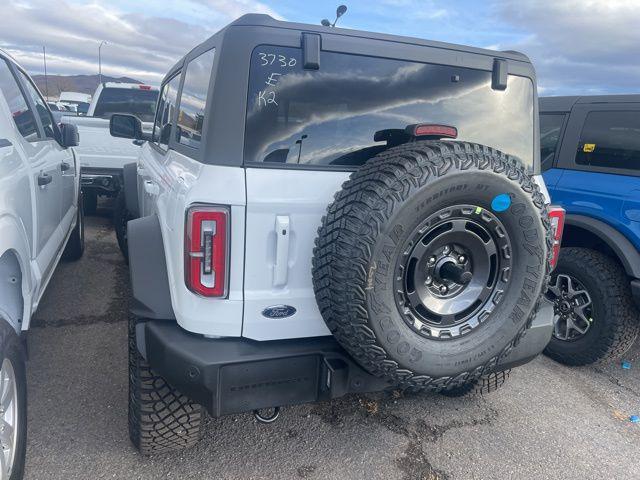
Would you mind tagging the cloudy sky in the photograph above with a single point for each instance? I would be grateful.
(577, 46)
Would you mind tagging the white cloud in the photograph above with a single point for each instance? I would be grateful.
(579, 46)
(140, 45)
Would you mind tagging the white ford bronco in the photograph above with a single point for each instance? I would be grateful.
(40, 221)
(322, 211)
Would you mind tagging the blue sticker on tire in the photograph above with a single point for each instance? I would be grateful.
(501, 202)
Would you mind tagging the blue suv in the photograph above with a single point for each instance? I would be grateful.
(590, 152)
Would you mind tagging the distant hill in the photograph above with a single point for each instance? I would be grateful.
(74, 83)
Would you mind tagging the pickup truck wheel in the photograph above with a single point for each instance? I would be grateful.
(75, 246)
(120, 218)
(13, 404)
(484, 385)
(90, 202)
(161, 419)
(594, 315)
(430, 263)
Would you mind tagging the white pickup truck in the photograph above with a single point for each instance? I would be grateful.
(101, 155)
(41, 220)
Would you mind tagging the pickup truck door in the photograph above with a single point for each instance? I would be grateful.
(47, 159)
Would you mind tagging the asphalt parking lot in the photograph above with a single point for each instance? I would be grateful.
(548, 422)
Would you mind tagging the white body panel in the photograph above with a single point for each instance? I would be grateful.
(276, 197)
(35, 221)
(170, 182)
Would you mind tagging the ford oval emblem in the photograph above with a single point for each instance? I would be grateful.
(279, 311)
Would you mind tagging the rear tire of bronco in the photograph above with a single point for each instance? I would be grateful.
(120, 218)
(595, 317)
(75, 245)
(430, 263)
(161, 419)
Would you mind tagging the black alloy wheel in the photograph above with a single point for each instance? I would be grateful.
(452, 273)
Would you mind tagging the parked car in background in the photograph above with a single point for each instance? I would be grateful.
(101, 155)
(79, 102)
(590, 150)
(40, 221)
(310, 223)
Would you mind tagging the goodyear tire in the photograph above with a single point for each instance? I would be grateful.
(430, 263)
(161, 419)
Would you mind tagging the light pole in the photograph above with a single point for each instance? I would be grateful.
(104, 42)
(46, 82)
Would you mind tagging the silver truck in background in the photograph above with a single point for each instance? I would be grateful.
(101, 155)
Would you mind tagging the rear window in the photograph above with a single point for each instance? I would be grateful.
(135, 101)
(550, 127)
(328, 117)
(610, 140)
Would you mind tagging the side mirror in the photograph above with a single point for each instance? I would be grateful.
(125, 126)
(69, 135)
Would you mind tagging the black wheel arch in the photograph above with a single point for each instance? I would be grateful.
(148, 269)
(588, 232)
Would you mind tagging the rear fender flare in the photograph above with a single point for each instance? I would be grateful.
(148, 269)
(625, 251)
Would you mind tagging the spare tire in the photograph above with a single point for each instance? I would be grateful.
(430, 263)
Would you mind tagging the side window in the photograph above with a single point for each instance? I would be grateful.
(41, 107)
(22, 114)
(194, 99)
(610, 140)
(550, 127)
(164, 114)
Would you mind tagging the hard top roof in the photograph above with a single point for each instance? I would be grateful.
(263, 20)
(566, 103)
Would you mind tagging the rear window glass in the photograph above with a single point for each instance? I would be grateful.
(610, 140)
(193, 100)
(550, 127)
(135, 101)
(328, 117)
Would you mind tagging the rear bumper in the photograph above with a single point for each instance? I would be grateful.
(234, 375)
(103, 181)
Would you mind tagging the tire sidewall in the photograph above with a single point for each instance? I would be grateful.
(11, 348)
(527, 234)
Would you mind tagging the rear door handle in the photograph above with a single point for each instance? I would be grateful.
(151, 188)
(44, 179)
(64, 166)
(281, 267)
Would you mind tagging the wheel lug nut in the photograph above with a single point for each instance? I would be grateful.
(428, 281)
(443, 289)
(432, 260)
(462, 259)
(446, 250)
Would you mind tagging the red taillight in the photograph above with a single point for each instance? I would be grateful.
(556, 216)
(430, 130)
(206, 250)
(144, 87)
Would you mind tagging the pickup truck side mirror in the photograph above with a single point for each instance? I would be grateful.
(69, 135)
(126, 126)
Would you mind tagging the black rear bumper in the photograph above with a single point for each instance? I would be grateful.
(234, 375)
